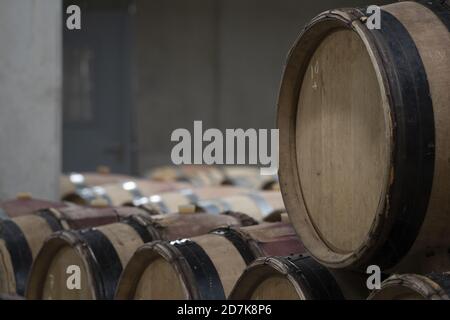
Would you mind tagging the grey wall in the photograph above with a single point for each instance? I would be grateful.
(175, 55)
(219, 61)
(30, 81)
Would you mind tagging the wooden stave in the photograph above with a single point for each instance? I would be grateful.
(16, 248)
(434, 286)
(123, 193)
(301, 271)
(244, 249)
(89, 179)
(371, 252)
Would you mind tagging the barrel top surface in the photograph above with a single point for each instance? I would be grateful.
(342, 141)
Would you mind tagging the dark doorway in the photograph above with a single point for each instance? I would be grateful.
(97, 97)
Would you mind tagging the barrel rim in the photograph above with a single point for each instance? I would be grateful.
(425, 286)
(414, 175)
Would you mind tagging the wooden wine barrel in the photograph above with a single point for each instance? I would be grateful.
(73, 182)
(132, 192)
(169, 202)
(364, 119)
(25, 205)
(196, 175)
(286, 278)
(9, 297)
(204, 267)
(102, 252)
(435, 286)
(22, 237)
(262, 205)
(248, 177)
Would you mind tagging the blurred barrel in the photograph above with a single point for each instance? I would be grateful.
(73, 182)
(196, 175)
(102, 252)
(169, 202)
(364, 136)
(210, 175)
(435, 286)
(131, 192)
(286, 278)
(21, 238)
(260, 205)
(204, 267)
(24, 204)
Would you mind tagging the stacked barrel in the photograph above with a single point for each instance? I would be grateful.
(364, 119)
(104, 218)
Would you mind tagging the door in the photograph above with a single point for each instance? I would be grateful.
(97, 100)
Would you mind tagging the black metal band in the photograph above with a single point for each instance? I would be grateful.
(51, 220)
(162, 207)
(19, 251)
(440, 8)
(321, 284)
(4, 215)
(205, 274)
(414, 134)
(142, 230)
(104, 261)
(236, 239)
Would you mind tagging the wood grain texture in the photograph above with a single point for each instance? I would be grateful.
(341, 141)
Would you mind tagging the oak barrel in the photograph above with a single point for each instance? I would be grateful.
(248, 177)
(197, 175)
(130, 192)
(204, 267)
(22, 237)
(102, 252)
(260, 205)
(25, 205)
(170, 201)
(364, 119)
(70, 183)
(286, 278)
(435, 286)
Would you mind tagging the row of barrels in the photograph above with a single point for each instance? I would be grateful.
(82, 185)
(125, 253)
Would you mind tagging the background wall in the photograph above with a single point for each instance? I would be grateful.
(30, 83)
(218, 61)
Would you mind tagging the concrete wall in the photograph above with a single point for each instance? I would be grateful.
(219, 61)
(30, 82)
(175, 68)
